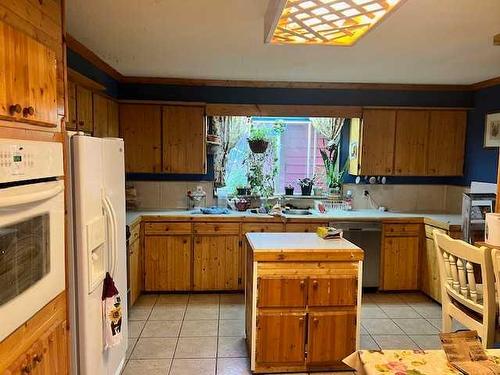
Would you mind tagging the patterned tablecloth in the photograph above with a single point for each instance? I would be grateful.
(405, 362)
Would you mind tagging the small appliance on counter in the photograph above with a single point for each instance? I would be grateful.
(475, 206)
(196, 199)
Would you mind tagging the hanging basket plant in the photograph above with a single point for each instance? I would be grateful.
(257, 140)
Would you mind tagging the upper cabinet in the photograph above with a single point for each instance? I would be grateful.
(28, 89)
(140, 126)
(184, 134)
(105, 116)
(406, 142)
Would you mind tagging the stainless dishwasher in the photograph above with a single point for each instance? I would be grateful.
(366, 235)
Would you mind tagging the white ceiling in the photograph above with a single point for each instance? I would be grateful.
(424, 41)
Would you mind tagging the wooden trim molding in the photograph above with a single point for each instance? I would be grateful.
(86, 53)
(79, 48)
(282, 110)
(84, 81)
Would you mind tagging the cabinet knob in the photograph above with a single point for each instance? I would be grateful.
(315, 284)
(301, 320)
(315, 321)
(28, 111)
(38, 358)
(15, 108)
(302, 284)
(26, 369)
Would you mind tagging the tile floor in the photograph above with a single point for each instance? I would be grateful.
(180, 334)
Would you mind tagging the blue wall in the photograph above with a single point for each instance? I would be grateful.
(480, 163)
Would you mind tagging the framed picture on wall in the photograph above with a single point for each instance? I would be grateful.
(492, 130)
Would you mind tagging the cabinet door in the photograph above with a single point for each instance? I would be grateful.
(410, 157)
(332, 337)
(140, 127)
(135, 274)
(281, 291)
(431, 284)
(84, 109)
(377, 143)
(217, 262)
(71, 116)
(281, 339)
(445, 156)
(167, 263)
(100, 111)
(400, 262)
(184, 143)
(339, 290)
(304, 227)
(113, 124)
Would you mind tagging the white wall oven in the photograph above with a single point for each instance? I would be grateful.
(32, 261)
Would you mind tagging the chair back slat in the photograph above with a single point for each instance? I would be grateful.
(471, 280)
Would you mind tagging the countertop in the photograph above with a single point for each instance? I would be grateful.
(445, 221)
(301, 246)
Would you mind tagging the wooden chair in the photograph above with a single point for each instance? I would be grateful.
(470, 303)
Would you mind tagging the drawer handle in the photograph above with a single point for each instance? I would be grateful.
(38, 358)
(28, 111)
(15, 108)
(302, 284)
(315, 284)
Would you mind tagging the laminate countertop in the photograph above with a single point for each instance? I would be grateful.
(452, 222)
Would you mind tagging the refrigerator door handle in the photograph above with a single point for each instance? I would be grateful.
(110, 214)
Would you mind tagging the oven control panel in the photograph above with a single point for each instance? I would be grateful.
(28, 160)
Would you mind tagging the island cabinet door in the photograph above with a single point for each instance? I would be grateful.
(276, 291)
(281, 339)
(167, 263)
(217, 262)
(338, 290)
(332, 337)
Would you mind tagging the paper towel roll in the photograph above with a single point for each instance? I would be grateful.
(492, 230)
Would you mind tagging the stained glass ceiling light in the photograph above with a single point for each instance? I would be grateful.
(330, 22)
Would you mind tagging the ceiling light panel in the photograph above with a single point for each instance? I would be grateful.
(330, 22)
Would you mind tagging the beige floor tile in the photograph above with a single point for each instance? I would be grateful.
(387, 298)
(199, 328)
(147, 366)
(232, 311)
(177, 299)
(152, 348)
(381, 327)
(232, 299)
(232, 347)
(416, 326)
(437, 322)
(130, 347)
(202, 312)
(135, 328)
(367, 343)
(372, 312)
(168, 312)
(427, 309)
(196, 347)
(146, 300)
(415, 297)
(427, 342)
(389, 342)
(139, 312)
(162, 328)
(400, 311)
(230, 327)
(233, 366)
(204, 298)
(193, 367)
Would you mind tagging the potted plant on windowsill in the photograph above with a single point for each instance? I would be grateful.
(257, 140)
(306, 185)
(289, 189)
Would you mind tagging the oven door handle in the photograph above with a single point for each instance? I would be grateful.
(31, 194)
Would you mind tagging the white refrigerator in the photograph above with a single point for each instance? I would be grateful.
(97, 216)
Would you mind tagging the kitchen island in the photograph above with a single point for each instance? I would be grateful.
(303, 299)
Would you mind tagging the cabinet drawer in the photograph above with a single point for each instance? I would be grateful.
(271, 227)
(429, 229)
(216, 228)
(281, 292)
(401, 229)
(167, 228)
(341, 290)
(305, 228)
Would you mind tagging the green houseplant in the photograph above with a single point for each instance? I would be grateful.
(258, 140)
(306, 185)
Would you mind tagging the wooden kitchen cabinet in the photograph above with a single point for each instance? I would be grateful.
(105, 117)
(332, 337)
(281, 291)
(400, 256)
(71, 117)
(446, 143)
(84, 109)
(410, 152)
(28, 89)
(217, 263)
(372, 143)
(135, 264)
(333, 290)
(113, 119)
(305, 227)
(281, 339)
(167, 263)
(184, 139)
(140, 127)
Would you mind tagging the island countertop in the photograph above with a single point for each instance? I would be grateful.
(301, 246)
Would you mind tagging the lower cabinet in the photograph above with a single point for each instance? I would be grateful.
(135, 274)
(167, 263)
(331, 337)
(217, 262)
(281, 338)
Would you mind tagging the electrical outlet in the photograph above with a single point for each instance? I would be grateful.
(366, 193)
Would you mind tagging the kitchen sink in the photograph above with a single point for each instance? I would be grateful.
(297, 212)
